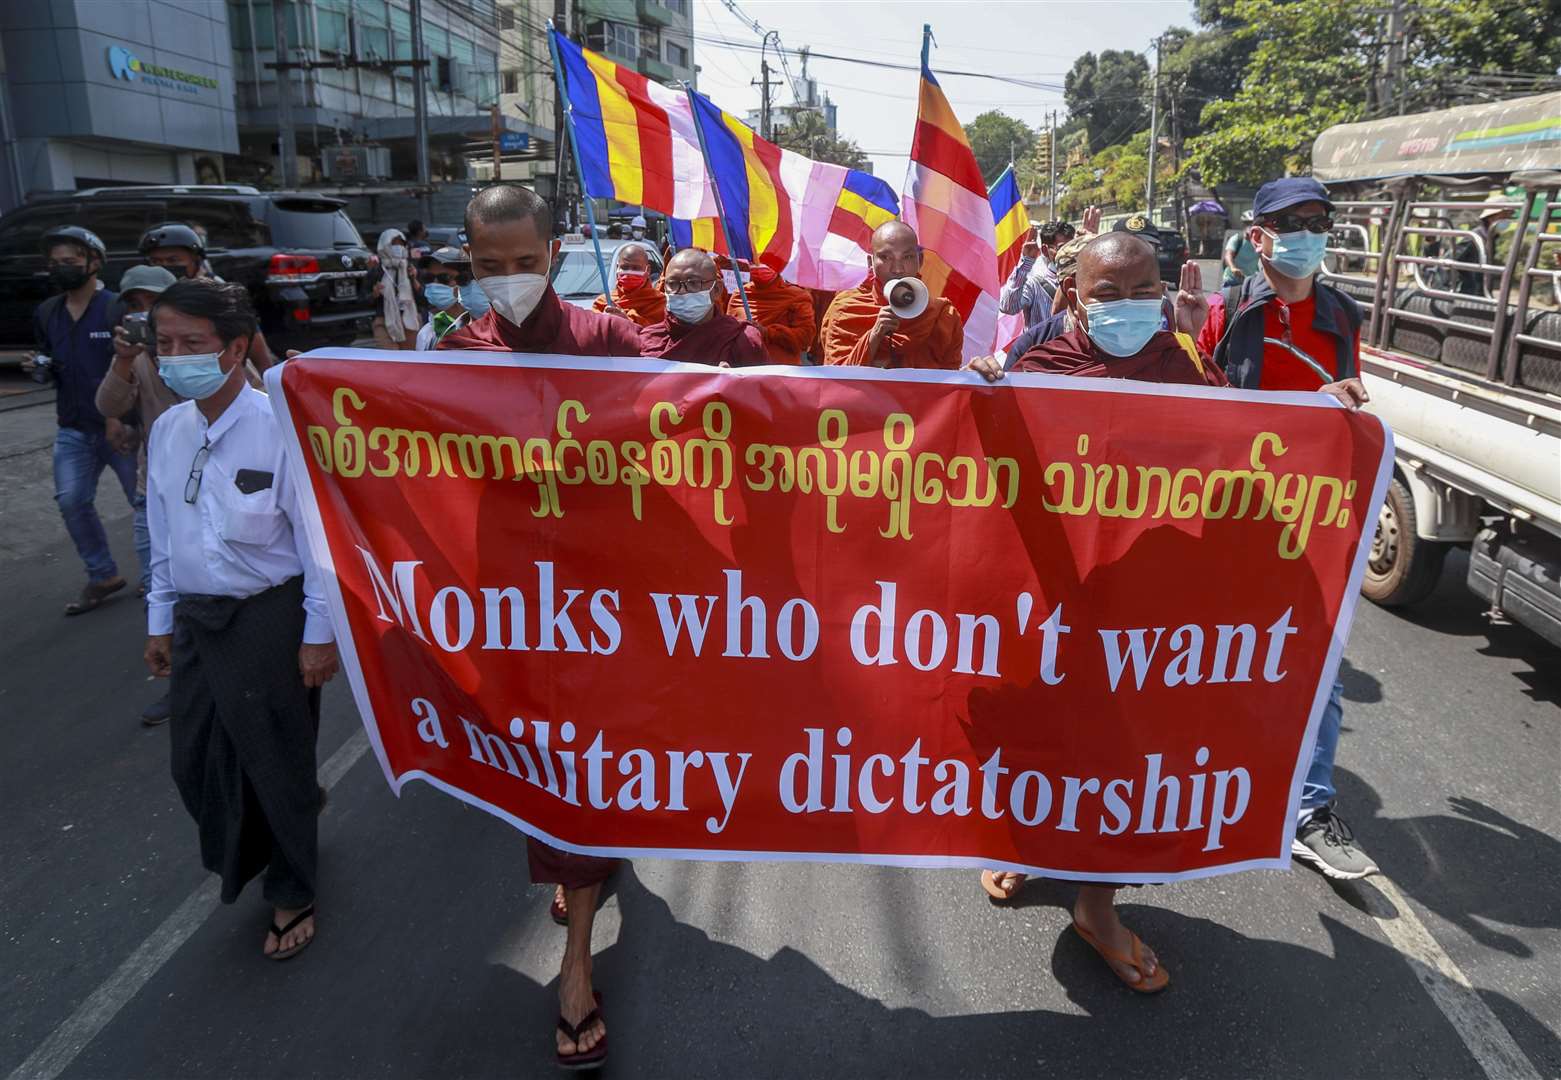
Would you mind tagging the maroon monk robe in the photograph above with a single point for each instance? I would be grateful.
(1163, 360)
(554, 327)
(718, 338)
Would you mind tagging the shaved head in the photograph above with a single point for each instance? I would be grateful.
(895, 252)
(692, 262)
(1116, 266)
(508, 202)
(634, 257)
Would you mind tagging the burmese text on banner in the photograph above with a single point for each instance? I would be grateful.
(1078, 627)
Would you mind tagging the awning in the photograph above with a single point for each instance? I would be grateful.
(1472, 140)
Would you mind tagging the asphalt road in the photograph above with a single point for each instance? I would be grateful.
(436, 957)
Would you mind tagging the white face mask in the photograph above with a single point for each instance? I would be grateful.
(514, 296)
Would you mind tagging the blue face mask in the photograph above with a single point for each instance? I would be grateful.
(1298, 254)
(1122, 327)
(439, 295)
(197, 376)
(474, 300)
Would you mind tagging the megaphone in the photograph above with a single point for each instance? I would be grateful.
(908, 296)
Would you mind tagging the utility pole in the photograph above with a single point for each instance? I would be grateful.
(286, 139)
(560, 171)
(1396, 55)
(1051, 163)
(1154, 129)
(420, 111)
(764, 100)
(498, 130)
(1176, 165)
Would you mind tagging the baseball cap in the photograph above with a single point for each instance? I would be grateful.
(152, 279)
(1288, 191)
(1068, 255)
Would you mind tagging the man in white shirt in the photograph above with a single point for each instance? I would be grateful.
(236, 614)
(1033, 283)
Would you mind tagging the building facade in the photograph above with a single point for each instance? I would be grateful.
(655, 37)
(98, 94)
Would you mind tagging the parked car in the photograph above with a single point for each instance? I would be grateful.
(576, 278)
(297, 253)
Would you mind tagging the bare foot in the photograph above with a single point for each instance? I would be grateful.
(1095, 912)
(575, 1001)
(297, 936)
(560, 902)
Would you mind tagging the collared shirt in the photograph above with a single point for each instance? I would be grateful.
(227, 542)
(1029, 290)
(79, 351)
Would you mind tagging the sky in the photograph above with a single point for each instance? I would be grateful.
(1036, 40)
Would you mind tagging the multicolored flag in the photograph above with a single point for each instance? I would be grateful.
(1012, 224)
(815, 216)
(636, 137)
(945, 201)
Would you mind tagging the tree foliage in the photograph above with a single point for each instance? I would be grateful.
(807, 133)
(1110, 92)
(1316, 63)
(997, 138)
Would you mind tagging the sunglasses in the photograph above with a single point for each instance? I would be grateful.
(1318, 223)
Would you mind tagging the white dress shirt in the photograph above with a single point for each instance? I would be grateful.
(225, 543)
(1029, 290)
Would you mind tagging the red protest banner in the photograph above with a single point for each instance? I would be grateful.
(1079, 627)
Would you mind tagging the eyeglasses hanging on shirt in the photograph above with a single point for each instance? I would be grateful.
(192, 486)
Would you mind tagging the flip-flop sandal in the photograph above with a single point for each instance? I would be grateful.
(557, 910)
(592, 1058)
(1146, 984)
(93, 595)
(282, 931)
(996, 891)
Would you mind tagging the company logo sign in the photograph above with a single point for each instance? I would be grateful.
(126, 65)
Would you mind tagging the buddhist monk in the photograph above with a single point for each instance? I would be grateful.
(635, 294)
(1114, 297)
(693, 330)
(783, 311)
(861, 329)
(507, 237)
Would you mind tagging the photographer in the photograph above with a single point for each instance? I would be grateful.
(181, 250)
(73, 331)
(131, 391)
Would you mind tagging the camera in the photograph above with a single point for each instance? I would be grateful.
(137, 329)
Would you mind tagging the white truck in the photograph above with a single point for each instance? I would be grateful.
(1446, 232)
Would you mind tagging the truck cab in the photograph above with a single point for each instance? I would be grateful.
(1448, 234)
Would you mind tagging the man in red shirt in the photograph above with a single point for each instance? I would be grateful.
(1286, 303)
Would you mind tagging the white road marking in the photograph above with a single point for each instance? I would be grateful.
(55, 1053)
(1486, 1037)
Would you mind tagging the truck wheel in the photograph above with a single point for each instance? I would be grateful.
(1402, 568)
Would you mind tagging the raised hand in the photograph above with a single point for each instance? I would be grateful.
(1192, 306)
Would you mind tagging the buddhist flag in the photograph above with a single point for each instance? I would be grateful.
(1012, 224)
(814, 216)
(945, 201)
(636, 137)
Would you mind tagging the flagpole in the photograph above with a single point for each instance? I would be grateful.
(574, 146)
(720, 208)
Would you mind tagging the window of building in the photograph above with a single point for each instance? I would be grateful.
(485, 71)
(512, 82)
(677, 55)
(621, 41)
(443, 77)
(677, 7)
(401, 40)
(372, 28)
(506, 18)
(331, 19)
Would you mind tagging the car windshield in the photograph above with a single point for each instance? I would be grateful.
(575, 275)
(326, 229)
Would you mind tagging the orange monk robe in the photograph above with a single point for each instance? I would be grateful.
(645, 306)
(933, 339)
(784, 313)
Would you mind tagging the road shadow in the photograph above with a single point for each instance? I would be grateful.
(1474, 866)
(1359, 686)
(1452, 609)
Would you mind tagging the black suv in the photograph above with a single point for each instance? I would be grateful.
(300, 257)
(1170, 246)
